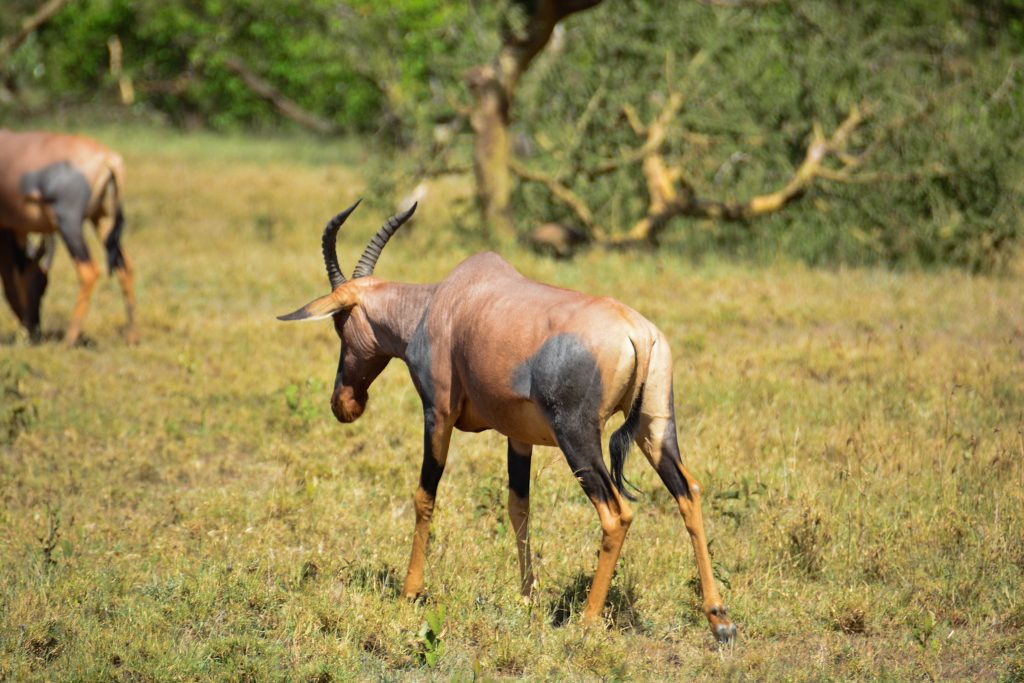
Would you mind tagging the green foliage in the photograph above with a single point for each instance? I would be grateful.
(305, 400)
(943, 81)
(51, 540)
(363, 66)
(431, 646)
(942, 184)
(17, 411)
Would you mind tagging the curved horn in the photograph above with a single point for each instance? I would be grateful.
(328, 244)
(369, 258)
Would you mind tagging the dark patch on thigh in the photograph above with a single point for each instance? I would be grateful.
(419, 359)
(67, 191)
(562, 378)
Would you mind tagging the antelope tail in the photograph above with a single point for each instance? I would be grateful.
(112, 242)
(618, 445)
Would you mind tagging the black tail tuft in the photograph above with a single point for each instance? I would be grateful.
(619, 444)
(115, 259)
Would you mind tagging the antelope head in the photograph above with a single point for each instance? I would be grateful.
(361, 357)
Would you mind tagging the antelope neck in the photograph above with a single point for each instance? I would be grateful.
(393, 310)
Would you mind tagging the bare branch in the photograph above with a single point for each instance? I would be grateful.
(48, 10)
(737, 4)
(562, 193)
(869, 178)
(633, 118)
(493, 86)
(519, 51)
(567, 7)
(1007, 84)
(671, 195)
(612, 165)
(268, 92)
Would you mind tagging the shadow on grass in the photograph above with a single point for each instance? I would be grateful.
(44, 337)
(619, 609)
(379, 579)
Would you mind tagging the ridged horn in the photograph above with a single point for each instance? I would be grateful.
(372, 252)
(328, 244)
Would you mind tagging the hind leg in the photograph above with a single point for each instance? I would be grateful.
(112, 215)
(69, 210)
(88, 274)
(519, 459)
(582, 449)
(126, 278)
(664, 456)
(565, 382)
(657, 439)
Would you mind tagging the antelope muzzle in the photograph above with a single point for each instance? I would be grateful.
(346, 404)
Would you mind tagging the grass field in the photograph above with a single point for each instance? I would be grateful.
(188, 509)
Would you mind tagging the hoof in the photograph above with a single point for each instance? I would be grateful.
(725, 633)
(723, 629)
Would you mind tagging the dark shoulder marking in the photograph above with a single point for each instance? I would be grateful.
(419, 359)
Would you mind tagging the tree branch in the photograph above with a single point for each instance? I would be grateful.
(124, 82)
(9, 44)
(562, 193)
(284, 105)
(868, 178)
(736, 4)
(666, 203)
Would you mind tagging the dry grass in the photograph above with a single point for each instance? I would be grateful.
(188, 509)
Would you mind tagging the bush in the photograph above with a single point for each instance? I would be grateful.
(942, 79)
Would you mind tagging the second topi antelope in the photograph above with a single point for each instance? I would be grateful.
(489, 349)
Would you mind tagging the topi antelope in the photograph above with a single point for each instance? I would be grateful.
(53, 183)
(490, 349)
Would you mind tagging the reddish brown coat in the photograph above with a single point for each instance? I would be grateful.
(490, 349)
(25, 208)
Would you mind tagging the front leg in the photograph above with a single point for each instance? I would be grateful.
(35, 277)
(519, 458)
(12, 256)
(437, 433)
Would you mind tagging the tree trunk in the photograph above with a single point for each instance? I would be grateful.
(490, 120)
(493, 88)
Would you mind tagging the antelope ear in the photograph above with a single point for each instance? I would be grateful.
(321, 308)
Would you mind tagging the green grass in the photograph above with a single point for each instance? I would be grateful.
(189, 509)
